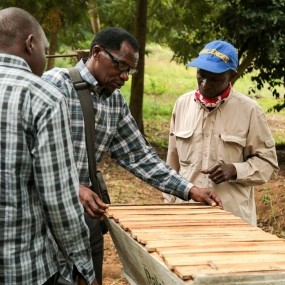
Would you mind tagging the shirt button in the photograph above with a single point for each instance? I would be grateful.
(205, 154)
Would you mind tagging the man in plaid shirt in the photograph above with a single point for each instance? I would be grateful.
(113, 58)
(39, 207)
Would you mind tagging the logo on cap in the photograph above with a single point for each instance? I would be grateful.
(216, 53)
(216, 57)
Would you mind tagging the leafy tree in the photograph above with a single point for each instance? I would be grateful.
(117, 14)
(63, 22)
(255, 27)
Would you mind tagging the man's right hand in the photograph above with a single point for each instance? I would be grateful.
(91, 202)
(205, 195)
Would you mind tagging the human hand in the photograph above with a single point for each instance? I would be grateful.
(221, 172)
(205, 195)
(91, 202)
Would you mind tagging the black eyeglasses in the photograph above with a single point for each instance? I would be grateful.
(121, 66)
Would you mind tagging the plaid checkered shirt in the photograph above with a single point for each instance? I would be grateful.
(116, 133)
(39, 206)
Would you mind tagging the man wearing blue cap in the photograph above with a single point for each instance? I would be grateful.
(219, 138)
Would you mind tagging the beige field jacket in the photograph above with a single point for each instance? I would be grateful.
(234, 132)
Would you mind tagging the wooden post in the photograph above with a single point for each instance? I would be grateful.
(82, 54)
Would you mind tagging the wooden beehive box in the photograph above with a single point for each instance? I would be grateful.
(193, 244)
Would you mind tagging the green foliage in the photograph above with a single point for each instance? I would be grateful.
(266, 199)
(68, 18)
(156, 88)
(279, 136)
(177, 24)
(117, 14)
(257, 30)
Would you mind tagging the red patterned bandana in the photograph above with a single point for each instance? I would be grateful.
(212, 102)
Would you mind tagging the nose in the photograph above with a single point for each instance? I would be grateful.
(203, 82)
(124, 75)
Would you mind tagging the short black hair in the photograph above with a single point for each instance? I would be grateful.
(112, 38)
(15, 24)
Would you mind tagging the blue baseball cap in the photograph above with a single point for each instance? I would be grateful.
(216, 57)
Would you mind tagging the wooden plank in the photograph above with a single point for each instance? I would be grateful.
(172, 213)
(135, 207)
(173, 232)
(155, 224)
(155, 245)
(223, 247)
(174, 209)
(155, 235)
(182, 217)
(188, 226)
(190, 272)
(222, 258)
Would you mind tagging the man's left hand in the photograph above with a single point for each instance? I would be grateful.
(221, 172)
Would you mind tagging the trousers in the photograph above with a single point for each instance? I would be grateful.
(97, 248)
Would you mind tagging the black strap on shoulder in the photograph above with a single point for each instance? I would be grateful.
(85, 98)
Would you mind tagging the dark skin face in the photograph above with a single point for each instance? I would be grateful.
(212, 84)
(106, 71)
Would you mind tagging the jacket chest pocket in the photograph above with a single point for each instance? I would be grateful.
(231, 148)
(188, 146)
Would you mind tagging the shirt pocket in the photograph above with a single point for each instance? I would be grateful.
(188, 146)
(269, 143)
(231, 148)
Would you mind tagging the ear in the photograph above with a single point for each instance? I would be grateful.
(29, 42)
(96, 51)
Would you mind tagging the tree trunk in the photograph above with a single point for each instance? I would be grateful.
(137, 88)
(94, 16)
(244, 65)
(52, 50)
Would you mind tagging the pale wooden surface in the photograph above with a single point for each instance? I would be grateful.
(197, 242)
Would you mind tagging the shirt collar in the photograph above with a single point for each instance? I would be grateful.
(219, 103)
(13, 61)
(90, 79)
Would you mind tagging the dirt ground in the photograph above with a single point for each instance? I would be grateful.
(125, 188)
